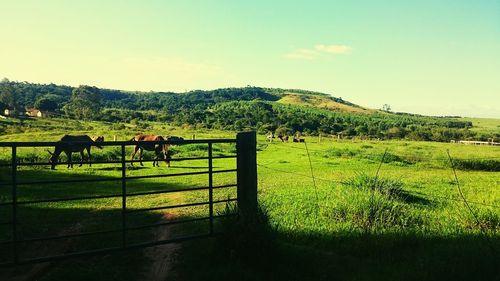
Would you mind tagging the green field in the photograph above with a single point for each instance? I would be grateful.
(359, 210)
(485, 126)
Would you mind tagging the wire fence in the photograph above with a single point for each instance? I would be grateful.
(381, 158)
(435, 198)
(360, 154)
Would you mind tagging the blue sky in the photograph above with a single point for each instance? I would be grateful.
(429, 57)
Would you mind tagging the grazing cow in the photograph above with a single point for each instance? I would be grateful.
(298, 139)
(70, 144)
(283, 138)
(159, 149)
(270, 137)
(175, 138)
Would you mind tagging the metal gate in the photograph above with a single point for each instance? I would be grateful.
(13, 182)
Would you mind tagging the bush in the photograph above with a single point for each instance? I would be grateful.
(488, 165)
(390, 188)
(391, 158)
(340, 152)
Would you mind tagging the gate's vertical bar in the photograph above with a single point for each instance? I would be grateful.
(210, 189)
(124, 199)
(246, 162)
(14, 202)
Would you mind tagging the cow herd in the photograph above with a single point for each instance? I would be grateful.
(73, 144)
(284, 137)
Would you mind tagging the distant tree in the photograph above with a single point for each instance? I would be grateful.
(283, 130)
(3, 106)
(7, 95)
(85, 103)
(47, 103)
(386, 108)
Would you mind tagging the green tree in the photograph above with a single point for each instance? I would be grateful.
(47, 103)
(85, 103)
(386, 108)
(2, 107)
(7, 95)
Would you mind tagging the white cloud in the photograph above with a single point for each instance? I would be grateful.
(333, 49)
(319, 49)
(302, 54)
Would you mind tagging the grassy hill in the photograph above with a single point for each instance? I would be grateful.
(316, 100)
(321, 102)
(484, 126)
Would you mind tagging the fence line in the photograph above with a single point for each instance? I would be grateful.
(411, 157)
(369, 224)
(343, 182)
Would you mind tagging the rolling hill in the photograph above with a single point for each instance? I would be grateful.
(255, 108)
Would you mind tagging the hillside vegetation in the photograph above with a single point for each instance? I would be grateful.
(254, 108)
(318, 100)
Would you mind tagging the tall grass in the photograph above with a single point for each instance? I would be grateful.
(376, 204)
(391, 188)
(489, 165)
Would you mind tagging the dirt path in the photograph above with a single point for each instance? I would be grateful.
(162, 257)
(44, 249)
(159, 269)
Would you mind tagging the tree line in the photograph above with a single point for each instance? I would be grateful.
(230, 109)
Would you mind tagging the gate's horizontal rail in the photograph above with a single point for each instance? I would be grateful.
(65, 236)
(179, 206)
(180, 190)
(180, 174)
(113, 143)
(56, 182)
(118, 178)
(175, 222)
(114, 195)
(60, 200)
(109, 250)
(101, 232)
(117, 161)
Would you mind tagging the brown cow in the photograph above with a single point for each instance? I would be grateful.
(298, 139)
(159, 149)
(65, 145)
(283, 138)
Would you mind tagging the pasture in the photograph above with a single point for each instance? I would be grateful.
(365, 210)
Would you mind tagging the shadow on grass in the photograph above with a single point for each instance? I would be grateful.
(53, 220)
(194, 167)
(410, 198)
(110, 185)
(129, 168)
(340, 256)
(40, 220)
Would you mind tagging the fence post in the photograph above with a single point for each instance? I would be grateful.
(14, 203)
(124, 198)
(210, 189)
(246, 150)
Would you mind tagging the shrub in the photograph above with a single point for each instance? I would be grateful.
(488, 165)
(390, 188)
(393, 158)
(340, 152)
(377, 213)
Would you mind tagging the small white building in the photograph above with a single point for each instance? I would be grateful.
(32, 112)
(13, 112)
